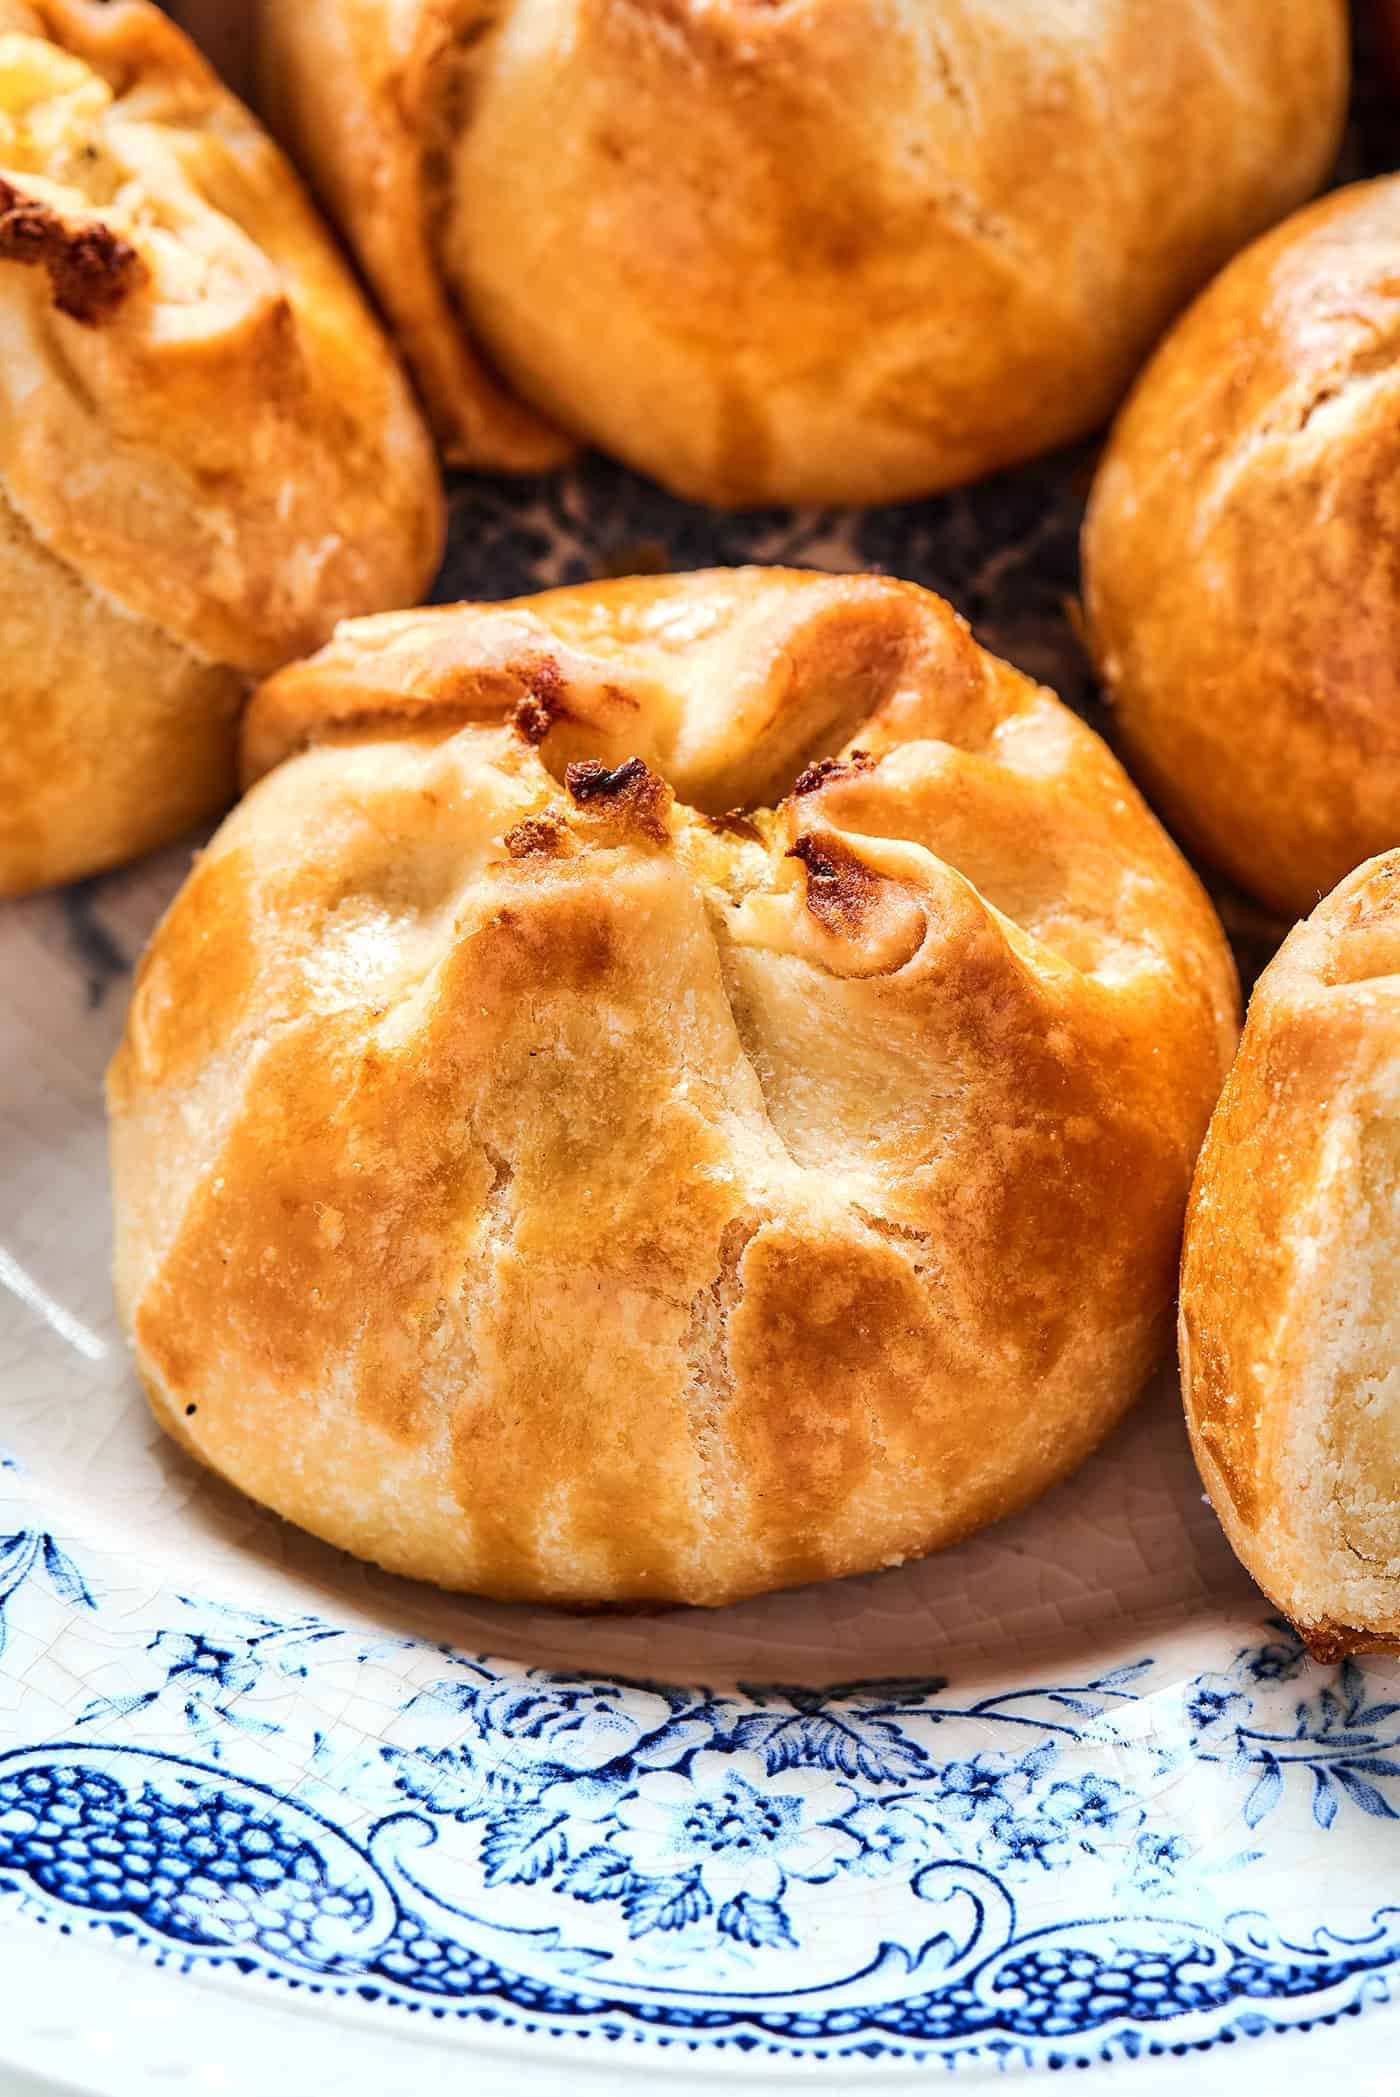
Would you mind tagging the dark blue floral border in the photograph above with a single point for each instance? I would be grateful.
(641, 1814)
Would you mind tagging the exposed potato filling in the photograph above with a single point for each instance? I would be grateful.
(69, 144)
(51, 111)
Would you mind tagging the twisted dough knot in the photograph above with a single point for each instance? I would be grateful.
(610, 1196)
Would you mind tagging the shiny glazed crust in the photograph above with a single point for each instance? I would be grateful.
(1242, 593)
(812, 251)
(207, 452)
(1290, 1287)
(536, 1176)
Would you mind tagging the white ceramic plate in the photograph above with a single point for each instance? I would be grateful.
(1063, 1798)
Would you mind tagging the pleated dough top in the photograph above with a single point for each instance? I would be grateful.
(538, 1177)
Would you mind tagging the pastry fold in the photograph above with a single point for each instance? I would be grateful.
(208, 454)
(663, 1090)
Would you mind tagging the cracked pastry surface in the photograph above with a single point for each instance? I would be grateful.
(813, 251)
(663, 1090)
(1290, 1286)
(208, 454)
(1239, 557)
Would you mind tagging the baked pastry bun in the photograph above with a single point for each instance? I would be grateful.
(1240, 557)
(207, 452)
(1290, 1285)
(815, 252)
(538, 1178)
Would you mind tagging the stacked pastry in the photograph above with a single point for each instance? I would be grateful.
(208, 453)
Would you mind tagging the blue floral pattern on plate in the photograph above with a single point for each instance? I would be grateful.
(872, 1867)
(1054, 1874)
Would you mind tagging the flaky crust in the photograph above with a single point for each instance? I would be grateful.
(1290, 1287)
(207, 452)
(813, 251)
(1241, 586)
(363, 94)
(538, 1179)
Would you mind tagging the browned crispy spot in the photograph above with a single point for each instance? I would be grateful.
(1329, 1642)
(543, 703)
(588, 780)
(734, 823)
(90, 268)
(842, 891)
(827, 768)
(629, 791)
(537, 837)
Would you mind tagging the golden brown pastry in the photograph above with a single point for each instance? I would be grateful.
(540, 1178)
(1290, 1286)
(814, 251)
(207, 452)
(1242, 557)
